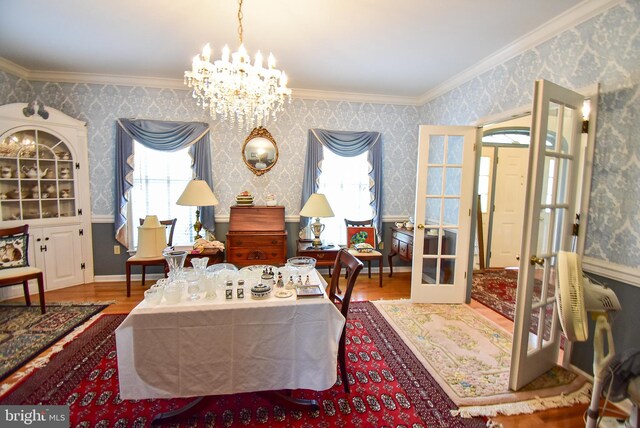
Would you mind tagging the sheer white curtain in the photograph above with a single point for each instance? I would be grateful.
(346, 184)
(159, 178)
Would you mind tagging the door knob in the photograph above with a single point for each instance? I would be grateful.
(421, 226)
(536, 261)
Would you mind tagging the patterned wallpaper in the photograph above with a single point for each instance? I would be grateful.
(101, 105)
(605, 50)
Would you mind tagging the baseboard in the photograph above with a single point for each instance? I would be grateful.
(624, 405)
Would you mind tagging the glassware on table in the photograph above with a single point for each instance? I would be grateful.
(209, 281)
(223, 272)
(301, 265)
(192, 278)
(175, 261)
(173, 291)
(199, 263)
(153, 295)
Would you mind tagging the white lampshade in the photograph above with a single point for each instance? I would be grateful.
(317, 206)
(197, 194)
(152, 238)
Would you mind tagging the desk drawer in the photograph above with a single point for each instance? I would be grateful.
(249, 256)
(255, 241)
(403, 237)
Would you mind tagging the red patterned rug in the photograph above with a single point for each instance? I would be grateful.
(497, 288)
(390, 387)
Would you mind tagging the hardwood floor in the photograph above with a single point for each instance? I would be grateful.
(394, 288)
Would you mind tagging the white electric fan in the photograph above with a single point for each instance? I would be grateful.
(577, 295)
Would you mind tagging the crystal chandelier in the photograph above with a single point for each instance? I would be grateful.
(236, 90)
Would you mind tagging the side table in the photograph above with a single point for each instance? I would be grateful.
(324, 257)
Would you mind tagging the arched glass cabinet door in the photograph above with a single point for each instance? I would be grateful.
(260, 152)
(37, 176)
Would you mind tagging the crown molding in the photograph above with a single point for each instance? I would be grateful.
(164, 83)
(578, 14)
(313, 94)
(569, 19)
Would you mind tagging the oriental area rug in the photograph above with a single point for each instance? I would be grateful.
(390, 387)
(25, 332)
(497, 288)
(469, 356)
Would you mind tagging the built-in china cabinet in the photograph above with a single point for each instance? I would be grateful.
(44, 182)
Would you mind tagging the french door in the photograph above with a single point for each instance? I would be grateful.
(444, 198)
(548, 221)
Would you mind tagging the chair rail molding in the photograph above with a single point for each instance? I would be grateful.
(625, 274)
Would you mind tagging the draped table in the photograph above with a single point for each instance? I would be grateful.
(211, 347)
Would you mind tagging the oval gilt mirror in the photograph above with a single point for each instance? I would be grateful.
(260, 152)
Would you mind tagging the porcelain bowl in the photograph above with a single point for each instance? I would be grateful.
(260, 291)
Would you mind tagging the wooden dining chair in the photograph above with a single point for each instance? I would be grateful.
(143, 262)
(372, 255)
(14, 263)
(353, 266)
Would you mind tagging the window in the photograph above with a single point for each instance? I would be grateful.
(159, 178)
(346, 184)
(483, 182)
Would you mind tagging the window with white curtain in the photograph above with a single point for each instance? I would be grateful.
(159, 177)
(346, 184)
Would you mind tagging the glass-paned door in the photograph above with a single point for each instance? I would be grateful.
(555, 146)
(444, 197)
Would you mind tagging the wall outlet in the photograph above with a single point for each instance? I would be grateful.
(116, 249)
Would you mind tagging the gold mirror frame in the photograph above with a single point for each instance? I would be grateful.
(260, 149)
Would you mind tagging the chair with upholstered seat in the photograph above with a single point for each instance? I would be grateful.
(369, 256)
(14, 264)
(353, 267)
(143, 262)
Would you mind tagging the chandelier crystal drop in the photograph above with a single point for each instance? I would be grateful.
(236, 90)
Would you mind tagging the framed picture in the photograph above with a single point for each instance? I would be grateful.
(361, 234)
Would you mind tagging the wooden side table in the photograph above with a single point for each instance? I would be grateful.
(324, 257)
(401, 245)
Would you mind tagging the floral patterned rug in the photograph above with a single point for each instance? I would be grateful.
(389, 387)
(25, 332)
(470, 358)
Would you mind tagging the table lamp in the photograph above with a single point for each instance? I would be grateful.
(152, 238)
(317, 206)
(197, 194)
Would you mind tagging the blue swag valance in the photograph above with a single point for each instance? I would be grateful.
(165, 136)
(347, 144)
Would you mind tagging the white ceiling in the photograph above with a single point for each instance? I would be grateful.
(401, 48)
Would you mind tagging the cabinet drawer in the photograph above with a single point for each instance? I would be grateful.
(403, 238)
(395, 245)
(254, 241)
(403, 249)
(265, 255)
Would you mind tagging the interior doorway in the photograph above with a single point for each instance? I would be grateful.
(502, 179)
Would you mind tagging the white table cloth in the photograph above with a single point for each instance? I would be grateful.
(211, 347)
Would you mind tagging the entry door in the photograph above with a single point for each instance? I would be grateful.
(555, 143)
(511, 177)
(444, 198)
